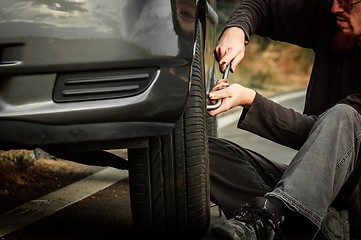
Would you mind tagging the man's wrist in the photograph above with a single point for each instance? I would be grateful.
(251, 95)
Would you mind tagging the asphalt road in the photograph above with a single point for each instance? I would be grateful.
(99, 207)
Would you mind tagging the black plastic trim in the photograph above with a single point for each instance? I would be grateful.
(86, 86)
(100, 135)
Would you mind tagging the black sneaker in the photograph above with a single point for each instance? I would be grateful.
(336, 225)
(259, 220)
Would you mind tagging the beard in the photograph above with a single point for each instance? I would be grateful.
(342, 42)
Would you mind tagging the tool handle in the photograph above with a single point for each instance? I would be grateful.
(219, 101)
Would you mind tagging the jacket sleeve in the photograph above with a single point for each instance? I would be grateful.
(354, 100)
(275, 122)
(294, 21)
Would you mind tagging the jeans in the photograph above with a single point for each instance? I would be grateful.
(325, 172)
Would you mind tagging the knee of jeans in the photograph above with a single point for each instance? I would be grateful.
(342, 112)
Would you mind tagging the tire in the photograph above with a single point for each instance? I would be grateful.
(168, 179)
(212, 126)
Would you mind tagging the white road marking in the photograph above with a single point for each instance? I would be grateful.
(49, 204)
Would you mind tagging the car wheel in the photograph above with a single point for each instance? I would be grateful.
(168, 179)
(212, 126)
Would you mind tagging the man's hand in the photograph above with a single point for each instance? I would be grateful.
(230, 48)
(232, 95)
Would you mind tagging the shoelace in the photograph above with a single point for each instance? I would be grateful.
(257, 218)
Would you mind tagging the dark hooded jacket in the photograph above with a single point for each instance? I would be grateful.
(335, 78)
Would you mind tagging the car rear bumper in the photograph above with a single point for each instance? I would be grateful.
(92, 136)
(39, 120)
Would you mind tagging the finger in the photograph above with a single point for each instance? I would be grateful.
(218, 110)
(216, 54)
(218, 93)
(222, 67)
(234, 63)
(227, 57)
(220, 52)
(222, 64)
(222, 80)
(220, 87)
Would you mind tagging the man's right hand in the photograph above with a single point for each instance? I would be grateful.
(230, 48)
(232, 95)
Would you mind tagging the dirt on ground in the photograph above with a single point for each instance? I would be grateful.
(25, 176)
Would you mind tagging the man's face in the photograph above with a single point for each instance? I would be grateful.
(348, 24)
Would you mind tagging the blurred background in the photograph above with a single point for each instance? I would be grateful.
(270, 67)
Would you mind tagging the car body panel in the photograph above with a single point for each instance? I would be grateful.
(35, 33)
(99, 36)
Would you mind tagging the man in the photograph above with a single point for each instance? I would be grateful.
(309, 198)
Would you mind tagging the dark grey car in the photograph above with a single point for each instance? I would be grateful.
(80, 76)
